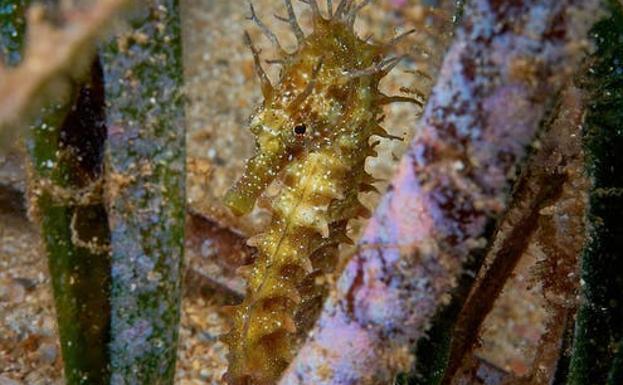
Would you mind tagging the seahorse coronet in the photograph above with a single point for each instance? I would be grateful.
(313, 132)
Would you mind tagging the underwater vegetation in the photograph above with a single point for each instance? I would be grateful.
(598, 337)
(511, 171)
(112, 219)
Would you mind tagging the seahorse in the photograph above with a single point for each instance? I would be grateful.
(314, 131)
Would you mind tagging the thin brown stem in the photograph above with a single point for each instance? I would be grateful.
(552, 177)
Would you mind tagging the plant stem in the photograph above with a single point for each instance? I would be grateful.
(146, 193)
(599, 324)
(66, 149)
(64, 182)
(12, 30)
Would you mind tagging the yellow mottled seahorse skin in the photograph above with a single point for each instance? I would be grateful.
(265, 321)
(313, 134)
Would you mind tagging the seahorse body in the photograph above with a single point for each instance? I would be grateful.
(312, 132)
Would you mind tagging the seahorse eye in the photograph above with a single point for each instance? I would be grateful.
(300, 129)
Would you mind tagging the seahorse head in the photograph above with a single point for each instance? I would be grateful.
(327, 95)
